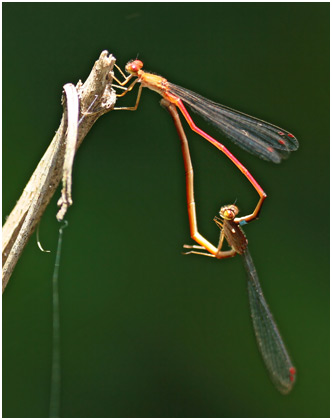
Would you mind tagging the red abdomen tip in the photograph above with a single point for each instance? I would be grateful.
(292, 373)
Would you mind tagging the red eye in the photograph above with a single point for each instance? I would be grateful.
(136, 65)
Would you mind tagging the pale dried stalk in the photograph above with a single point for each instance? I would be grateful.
(95, 97)
(73, 113)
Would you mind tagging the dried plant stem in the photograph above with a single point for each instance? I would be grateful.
(86, 101)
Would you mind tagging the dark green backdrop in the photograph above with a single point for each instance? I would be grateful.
(146, 331)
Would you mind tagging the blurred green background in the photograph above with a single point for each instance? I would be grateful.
(146, 331)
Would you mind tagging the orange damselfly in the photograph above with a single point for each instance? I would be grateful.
(258, 137)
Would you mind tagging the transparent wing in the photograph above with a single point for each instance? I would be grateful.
(270, 343)
(256, 136)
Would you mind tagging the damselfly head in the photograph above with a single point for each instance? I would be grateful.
(134, 66)
(229, 212)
